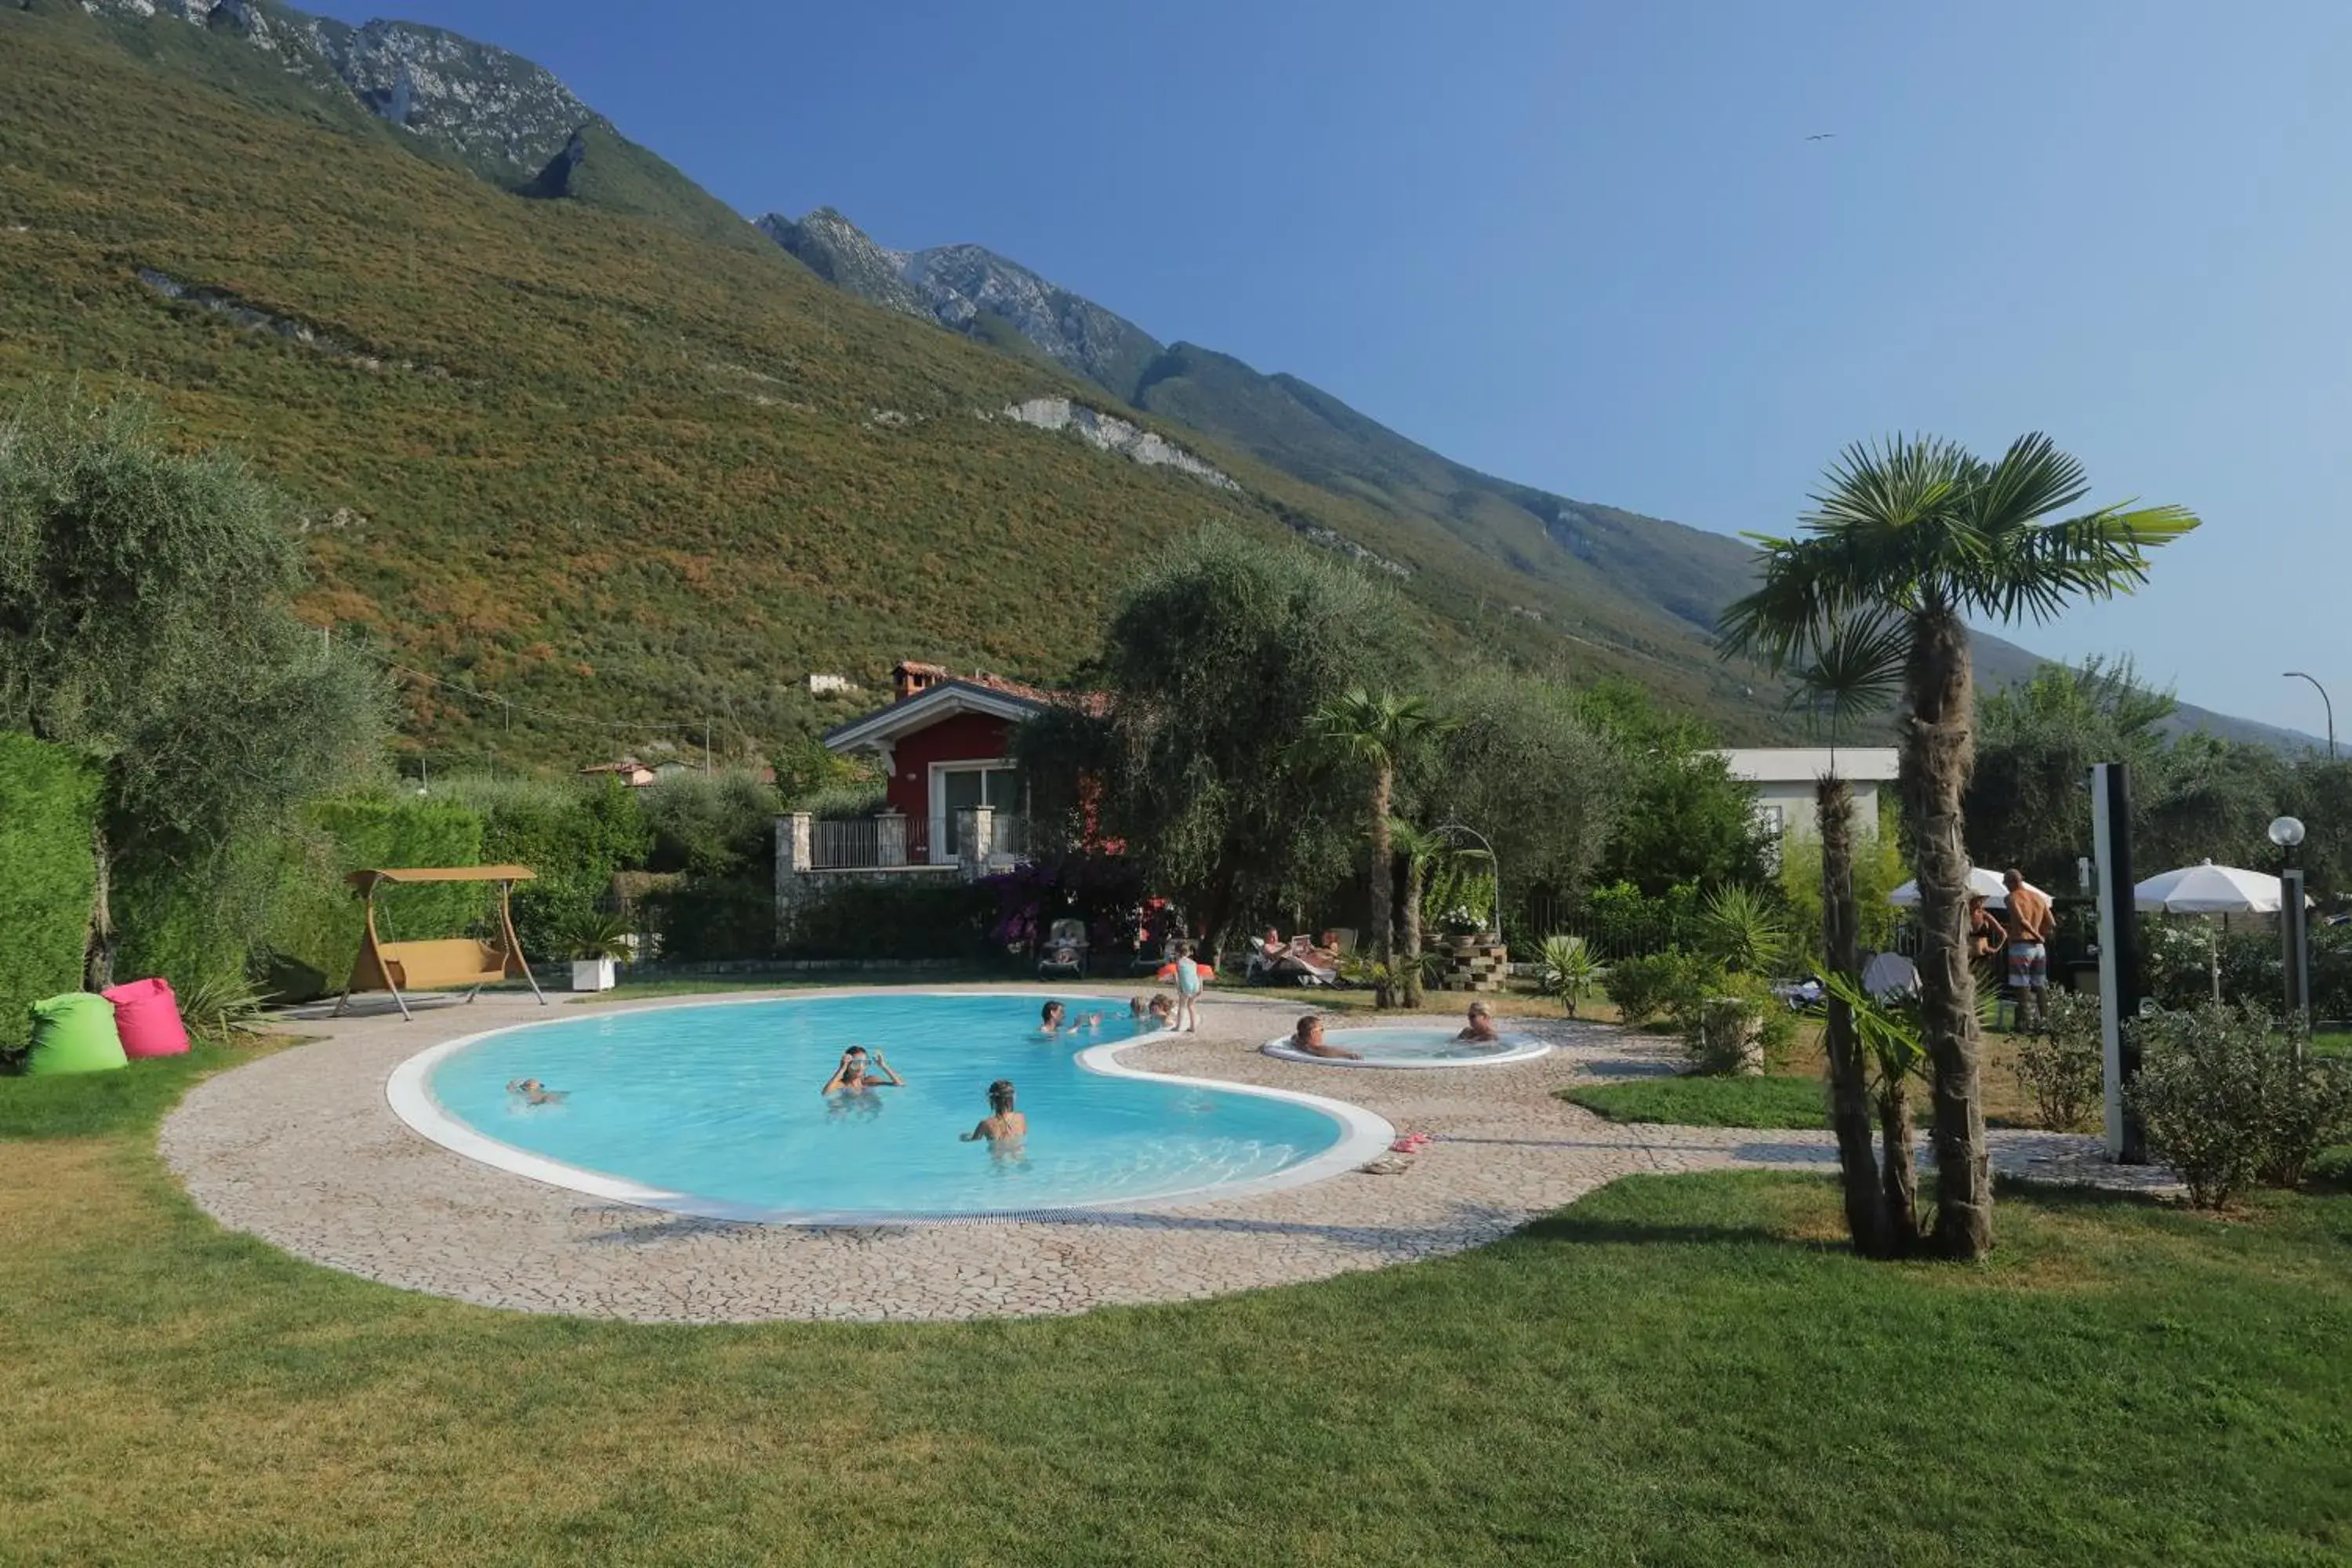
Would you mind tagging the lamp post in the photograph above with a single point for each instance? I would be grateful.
(2324, 702)
(2286, 832)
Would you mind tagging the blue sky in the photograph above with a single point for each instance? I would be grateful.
(1587, 245)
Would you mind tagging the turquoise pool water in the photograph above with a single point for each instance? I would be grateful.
(720, 1104)
(1414, 1046)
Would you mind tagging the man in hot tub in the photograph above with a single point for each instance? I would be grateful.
(1307, 1041)
(1481, 1028)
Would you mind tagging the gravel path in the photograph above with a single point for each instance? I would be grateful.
(301, 1149)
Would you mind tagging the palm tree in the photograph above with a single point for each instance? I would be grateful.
(1418, 851)
(1422, 853)
(1854, 671)
(1379, 732)
(1936, 534)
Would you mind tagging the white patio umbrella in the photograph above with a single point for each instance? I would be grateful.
(2209, 890)
(1980, 880)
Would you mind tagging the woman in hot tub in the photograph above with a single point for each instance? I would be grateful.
(1481, 1028)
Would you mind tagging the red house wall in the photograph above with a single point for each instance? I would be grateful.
(959, 738)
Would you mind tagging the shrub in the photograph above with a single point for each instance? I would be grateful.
(1641, 987)
(1718, 1012)
(711, 826)
(1742, 931)
(1565, 970)
(2229, 1097)
(706, 919)
(894, 917)
(2063, 1066)
(315, 934)
(575, 837)
(1621, 920)
(48, 804)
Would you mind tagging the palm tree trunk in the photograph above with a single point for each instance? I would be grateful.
(1866, 1220)
(1902, 1185)
(1410, 943)
(1938, 750)
(1383, 885)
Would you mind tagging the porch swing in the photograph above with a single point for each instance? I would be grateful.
(440, 962)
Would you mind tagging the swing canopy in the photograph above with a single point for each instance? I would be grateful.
(444, 962)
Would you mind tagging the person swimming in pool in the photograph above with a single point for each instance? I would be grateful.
(1481, 1028)
(1004, 1129)
(1055, 1020)
(1307, 1041)
(533, 1092)
(1162, 1013)
(859, 1074)
(1139, 1009)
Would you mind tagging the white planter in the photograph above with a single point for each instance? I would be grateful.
(591, 974)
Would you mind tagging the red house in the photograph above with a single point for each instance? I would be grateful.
(945, 743)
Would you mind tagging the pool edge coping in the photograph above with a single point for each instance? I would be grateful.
(1363, 1135)
(1529, 1050)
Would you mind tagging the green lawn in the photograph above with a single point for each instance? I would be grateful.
(1771, 1100)
(1677, 1370)
(80, 1104)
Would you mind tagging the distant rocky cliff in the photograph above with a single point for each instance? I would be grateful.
(971, 289)
(500, 112)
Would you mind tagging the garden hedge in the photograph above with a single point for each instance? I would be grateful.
(316, 934)
(48, 803)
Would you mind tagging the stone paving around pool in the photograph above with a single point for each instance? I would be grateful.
(301, 1149)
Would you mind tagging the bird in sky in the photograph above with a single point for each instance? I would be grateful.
(1822, 136)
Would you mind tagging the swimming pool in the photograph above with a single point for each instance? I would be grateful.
(713, 1109)
(1430, 1046)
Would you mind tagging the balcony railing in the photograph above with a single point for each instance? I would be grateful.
(868, 843)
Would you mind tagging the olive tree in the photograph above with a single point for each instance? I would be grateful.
(147, 594)
(1188, 749)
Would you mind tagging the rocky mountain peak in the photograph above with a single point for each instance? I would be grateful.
(844, 255)
(500, 112)
(963, 282)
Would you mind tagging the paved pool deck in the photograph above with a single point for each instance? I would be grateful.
(302, 1150)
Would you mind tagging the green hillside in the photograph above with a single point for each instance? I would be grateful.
(600, 466)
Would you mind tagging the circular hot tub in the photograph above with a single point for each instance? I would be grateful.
(1412, 1046)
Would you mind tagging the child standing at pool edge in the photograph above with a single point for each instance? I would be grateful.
(1188, 991)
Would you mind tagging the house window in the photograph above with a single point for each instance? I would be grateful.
(956, 787)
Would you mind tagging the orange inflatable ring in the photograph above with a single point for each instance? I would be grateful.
(1168, 972)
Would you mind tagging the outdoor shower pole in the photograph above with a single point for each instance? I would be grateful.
(2118, 956)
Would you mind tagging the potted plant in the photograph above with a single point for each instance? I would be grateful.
(595, 941)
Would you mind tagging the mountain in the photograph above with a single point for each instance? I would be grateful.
(596, 475)
(838, 251)
(1684, 574)
(596, 464)
(445, 96)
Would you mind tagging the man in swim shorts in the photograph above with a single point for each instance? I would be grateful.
(2030, 922)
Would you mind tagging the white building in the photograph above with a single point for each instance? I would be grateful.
(1784, 778)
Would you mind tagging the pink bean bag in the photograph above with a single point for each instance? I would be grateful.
(147, 1016)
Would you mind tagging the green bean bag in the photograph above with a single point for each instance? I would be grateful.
(74, 1033)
